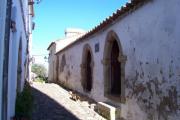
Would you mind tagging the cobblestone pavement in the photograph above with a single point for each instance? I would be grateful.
(52, 102)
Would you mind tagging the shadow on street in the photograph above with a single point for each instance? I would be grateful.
(45, 108)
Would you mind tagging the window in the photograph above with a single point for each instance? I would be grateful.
(97, 47)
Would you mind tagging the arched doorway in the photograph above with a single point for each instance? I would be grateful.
(88, 72)
(19, 68)
(87, 69)
(114, 68)
(115, 71)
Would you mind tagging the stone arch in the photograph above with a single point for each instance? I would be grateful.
(87, 68)
(114, 68)
(19, 67)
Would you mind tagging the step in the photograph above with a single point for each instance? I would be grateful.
(109, 111)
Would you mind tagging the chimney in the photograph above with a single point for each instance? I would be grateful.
(73, 32)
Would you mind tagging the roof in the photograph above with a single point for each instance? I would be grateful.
(120, 13)
(50, 45)
(74, 30)
(63, 42)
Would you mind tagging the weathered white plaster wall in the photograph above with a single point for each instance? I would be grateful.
(71, 76)
(30, 46)
(2, 29)
(52, 64)
(15, 38)
(70, 36)
(150, 39)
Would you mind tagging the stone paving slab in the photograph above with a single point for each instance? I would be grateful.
(52, 102)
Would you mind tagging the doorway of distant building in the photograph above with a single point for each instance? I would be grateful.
(19, 67)
(114, 67)
(87, 69)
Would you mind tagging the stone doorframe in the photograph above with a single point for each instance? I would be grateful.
(111, 37)
(86, 49)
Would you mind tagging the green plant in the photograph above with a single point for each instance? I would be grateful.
(40, 70)
(24, 103)
(38, 79)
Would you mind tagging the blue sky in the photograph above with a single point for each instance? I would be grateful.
(52, 17)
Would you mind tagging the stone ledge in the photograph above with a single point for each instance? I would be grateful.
(108, 111)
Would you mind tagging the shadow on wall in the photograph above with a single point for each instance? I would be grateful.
(45, 108)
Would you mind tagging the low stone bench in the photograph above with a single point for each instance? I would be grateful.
(108, 111)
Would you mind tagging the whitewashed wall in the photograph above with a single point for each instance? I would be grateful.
(13, 56)
(2, 29)
(52, 64)
(150, 40)
(59, 44)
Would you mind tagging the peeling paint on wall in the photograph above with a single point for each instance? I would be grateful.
(152, 70)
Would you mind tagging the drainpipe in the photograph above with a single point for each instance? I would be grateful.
(6, 60)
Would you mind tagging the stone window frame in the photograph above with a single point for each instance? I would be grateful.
(111, 36)
(86, 49)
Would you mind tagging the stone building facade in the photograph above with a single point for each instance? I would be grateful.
(131, 61)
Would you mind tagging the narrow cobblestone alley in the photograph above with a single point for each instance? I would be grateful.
(52, 102)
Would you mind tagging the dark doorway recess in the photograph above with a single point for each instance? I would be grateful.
(87, 69)
(115, 71)
(88, 72)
